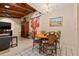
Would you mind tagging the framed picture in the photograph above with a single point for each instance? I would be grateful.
(57, 21)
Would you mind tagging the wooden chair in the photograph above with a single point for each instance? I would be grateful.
(58, 34)
(51, 45)
(35, 41)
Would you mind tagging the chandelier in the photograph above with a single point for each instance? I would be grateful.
(47, 8)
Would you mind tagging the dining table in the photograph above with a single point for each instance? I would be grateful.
(40, 35)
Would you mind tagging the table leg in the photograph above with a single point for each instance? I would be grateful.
(40, 45)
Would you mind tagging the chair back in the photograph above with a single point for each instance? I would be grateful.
(58, 34)
(52, 38)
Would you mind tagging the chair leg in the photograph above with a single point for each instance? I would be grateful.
(56, 52)
(52, 52)
(33, 47)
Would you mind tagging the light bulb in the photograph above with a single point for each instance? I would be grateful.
(7, 6)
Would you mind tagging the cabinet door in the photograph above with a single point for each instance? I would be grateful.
(22, 30)
(25, 29)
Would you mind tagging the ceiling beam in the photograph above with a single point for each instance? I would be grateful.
(10, 15)
(16, 15)
(16, 5)
(12, 11)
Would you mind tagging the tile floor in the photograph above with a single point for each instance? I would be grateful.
(24, 48)
(23, 43)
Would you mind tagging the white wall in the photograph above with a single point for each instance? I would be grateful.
(69, 29)
(15, 25)
(78, 25)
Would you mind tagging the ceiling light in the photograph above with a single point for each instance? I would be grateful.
(6, 14)
(7, 6)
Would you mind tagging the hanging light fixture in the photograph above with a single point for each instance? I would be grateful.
(47, 8)
(36, 14)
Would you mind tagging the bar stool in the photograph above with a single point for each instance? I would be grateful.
(16, 41)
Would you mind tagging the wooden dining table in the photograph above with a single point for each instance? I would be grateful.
(40, 35)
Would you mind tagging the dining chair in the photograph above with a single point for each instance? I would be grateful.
(51, 46)
(35, 42)
(42, 40)
(58, 34)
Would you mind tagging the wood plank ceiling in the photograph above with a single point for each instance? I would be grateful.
(15, 10)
